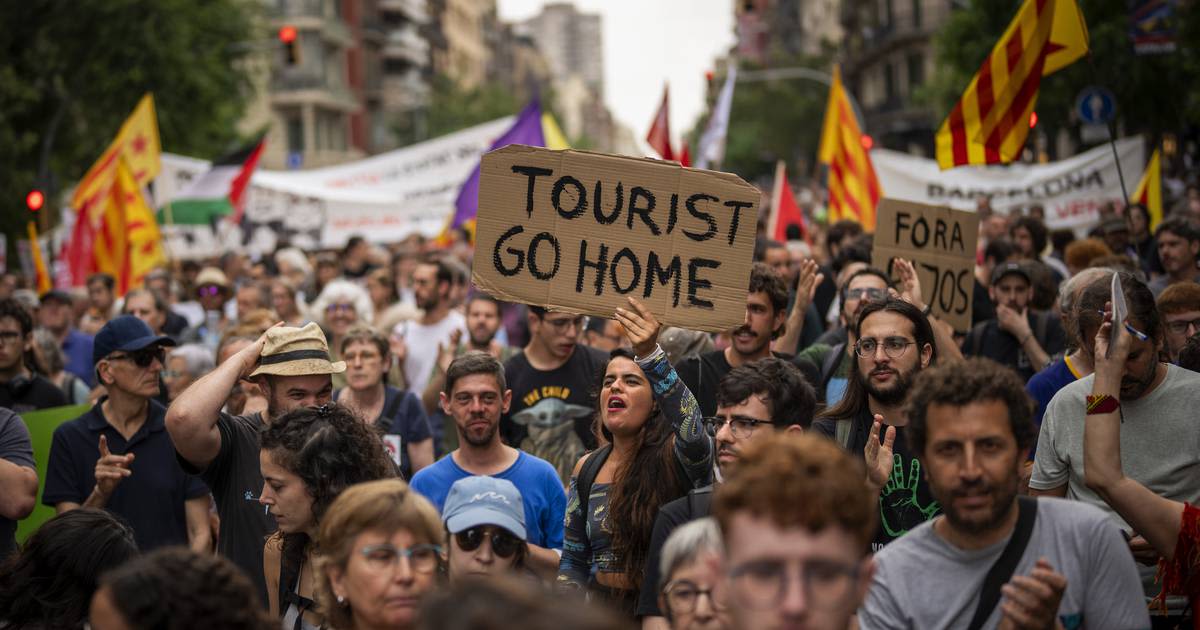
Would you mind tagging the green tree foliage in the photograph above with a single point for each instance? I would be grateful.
(1155, 93)
(769, 121)
(85, 63)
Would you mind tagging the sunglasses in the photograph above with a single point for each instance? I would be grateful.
(142, 358)
(207, 290)
(504, 544)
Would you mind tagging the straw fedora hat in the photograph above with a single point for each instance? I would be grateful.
(297, 352)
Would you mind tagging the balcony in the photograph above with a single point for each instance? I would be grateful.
(408, 45)
(295, 87)
(405, 92)
(414, 10)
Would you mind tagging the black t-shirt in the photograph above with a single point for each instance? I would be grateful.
(989, 340)
(702, 374)
(29, 393)
(151, 499)
(905, 501)
(236, 482)
(551, 412)
(403, 422)
(982, 308)
(671, 516)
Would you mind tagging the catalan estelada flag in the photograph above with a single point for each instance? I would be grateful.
(853, 188)
(1149, 190)
(991, 120)
(127, 243)
(137, 143)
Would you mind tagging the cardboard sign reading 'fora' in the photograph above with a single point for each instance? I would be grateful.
(940, 243)
(581, 232)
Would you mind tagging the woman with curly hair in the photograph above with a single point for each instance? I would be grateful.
(308, 457)
(654, 451)
(177, 589)
(50, 582)
(380, 556)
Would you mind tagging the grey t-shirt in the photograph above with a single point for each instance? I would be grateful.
(922, 582)
(16, 448)
(1160, 448)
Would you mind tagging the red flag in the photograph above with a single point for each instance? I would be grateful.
(784, 210)
(685, 157)
(660, 131)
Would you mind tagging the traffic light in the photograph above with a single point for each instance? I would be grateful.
(291, 48)
(35, 200)
(867, 142)
(1032, 119)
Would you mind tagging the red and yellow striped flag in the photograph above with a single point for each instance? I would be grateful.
(1149, 190)
(127, 244)
(137, 143)
(853, 187)
(44, 283)
(991, 120)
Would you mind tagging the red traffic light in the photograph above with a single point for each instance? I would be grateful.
(35, 200)
(287, 34)
(1032, 119)
(867, 142)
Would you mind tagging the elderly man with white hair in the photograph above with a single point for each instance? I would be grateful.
(185, 364)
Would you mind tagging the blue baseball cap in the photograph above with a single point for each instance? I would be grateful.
(125, 333)
(475, 501)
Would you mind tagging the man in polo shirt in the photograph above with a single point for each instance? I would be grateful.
(292, 367)
(117, 455)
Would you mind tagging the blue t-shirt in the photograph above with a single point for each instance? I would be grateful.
(1043, 386)
(541, 492)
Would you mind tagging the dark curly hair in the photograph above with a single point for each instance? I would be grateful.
(1037, 232)
(178, 589)
(329, 449)
(788, 397)
(12, 308)
(764, 278)
(49, 584)
(959, 383)
(645, 482)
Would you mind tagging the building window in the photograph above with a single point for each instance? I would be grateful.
(885, 20)
(916, 13)
(916, 70)
(295, 134)
(889, 82)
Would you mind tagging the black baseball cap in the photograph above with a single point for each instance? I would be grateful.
(125, 333)
(1010, 268)
(57, 295)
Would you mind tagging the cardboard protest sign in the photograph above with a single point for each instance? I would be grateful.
(580, 232)
(940, 243)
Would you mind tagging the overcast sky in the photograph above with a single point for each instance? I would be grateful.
(647, 43)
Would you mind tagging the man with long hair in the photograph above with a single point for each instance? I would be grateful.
(893, 341)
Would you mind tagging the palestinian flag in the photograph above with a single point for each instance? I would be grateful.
(220, 192)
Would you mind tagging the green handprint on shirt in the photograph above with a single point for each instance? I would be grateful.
(900, 508)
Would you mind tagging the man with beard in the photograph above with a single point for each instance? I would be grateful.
(433, 282)
(1160, 447)
(1178, 248)
(292, 368)
(475, 396)
(1018, 337)
(971, 424)
(754, 401)
(894, 341)
(766, 310)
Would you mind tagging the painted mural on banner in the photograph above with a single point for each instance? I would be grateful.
(1072, 191)
(580, 232)
(383, 198)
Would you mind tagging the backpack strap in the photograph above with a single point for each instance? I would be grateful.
(695, 510)
(1001, 572)
(975, 339)
(587, 474)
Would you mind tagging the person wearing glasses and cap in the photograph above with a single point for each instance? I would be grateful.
(117, 455)
(292, 368)
(485, 527)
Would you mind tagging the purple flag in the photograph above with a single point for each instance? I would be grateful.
(526, 130)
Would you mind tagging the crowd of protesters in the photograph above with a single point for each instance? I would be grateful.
(360, 439)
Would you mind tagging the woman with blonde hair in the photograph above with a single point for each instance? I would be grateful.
(380, 556)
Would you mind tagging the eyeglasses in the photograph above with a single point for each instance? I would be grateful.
(762, 584)
(1178, 328)
(342, 308)
(742, 427)
(682, 596)
(504, 544)
(868, 293)
(208, 289)
(563, 325)
(893, 347)
(142, 358)
(421, 558)
(8, 336)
